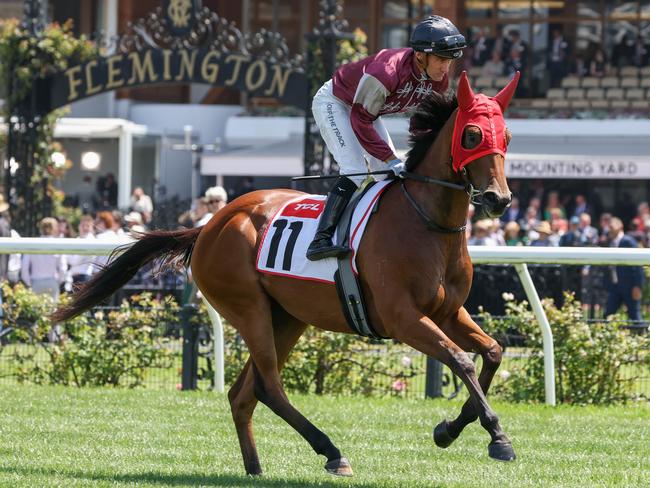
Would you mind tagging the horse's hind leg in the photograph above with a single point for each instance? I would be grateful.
(286, 330)
(423, 334)
(252, 318)
(469, 337)
(242, 405)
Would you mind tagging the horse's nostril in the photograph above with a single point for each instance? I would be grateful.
(490, 198)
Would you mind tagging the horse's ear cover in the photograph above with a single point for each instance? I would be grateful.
(505, 95)
(464, 93)
(485, 113)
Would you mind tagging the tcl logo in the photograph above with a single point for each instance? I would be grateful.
(308, 206)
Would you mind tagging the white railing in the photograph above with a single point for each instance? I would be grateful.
(519, 256)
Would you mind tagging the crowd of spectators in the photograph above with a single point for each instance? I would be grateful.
(53, 274)
(546, 222)
(505, 53)
(501, 55)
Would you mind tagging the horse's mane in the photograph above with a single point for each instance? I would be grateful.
(426, 123)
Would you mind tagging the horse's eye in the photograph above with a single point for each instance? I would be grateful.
(471, 137)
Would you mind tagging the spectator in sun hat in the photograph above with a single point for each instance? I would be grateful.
(544, 232)
(134, 222)
(216, 197)
(481, 236)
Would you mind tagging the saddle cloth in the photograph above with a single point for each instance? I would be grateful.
(285, 241)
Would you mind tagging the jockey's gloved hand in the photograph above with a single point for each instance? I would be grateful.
(398, 166)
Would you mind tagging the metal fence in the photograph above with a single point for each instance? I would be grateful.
(175, 356)
(186, 340)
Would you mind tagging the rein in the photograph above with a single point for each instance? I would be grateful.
(431, 225)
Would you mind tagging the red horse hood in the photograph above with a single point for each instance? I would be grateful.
(487, 114)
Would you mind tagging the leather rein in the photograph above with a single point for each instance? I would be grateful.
(429, 222)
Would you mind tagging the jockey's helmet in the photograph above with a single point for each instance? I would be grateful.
(438, 35)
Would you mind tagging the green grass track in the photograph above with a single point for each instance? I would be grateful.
(56, 436)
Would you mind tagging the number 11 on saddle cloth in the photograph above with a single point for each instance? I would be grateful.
(285, 241)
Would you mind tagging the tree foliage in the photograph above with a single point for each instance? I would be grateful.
(25, 59)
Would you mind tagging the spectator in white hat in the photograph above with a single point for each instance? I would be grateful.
(134, 222)
(217, 198)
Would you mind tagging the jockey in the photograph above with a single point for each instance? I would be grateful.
(348, 108)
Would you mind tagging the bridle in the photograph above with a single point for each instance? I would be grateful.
(467, 100)
(467, 187)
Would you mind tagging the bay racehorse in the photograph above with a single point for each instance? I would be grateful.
(415, 272)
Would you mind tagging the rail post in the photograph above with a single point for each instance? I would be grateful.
(547, 333)
(217, 338)
(190, 349)
(433, 382)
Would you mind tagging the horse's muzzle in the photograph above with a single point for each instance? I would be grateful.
(495, 204)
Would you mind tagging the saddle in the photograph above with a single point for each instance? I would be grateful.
(286, 239)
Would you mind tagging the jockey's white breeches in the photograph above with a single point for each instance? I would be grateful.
(332, 116)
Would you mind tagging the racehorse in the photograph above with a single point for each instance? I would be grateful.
(414, 269)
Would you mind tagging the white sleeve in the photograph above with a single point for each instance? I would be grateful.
(371, 94)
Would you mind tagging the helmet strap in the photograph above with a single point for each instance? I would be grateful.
(424, 75)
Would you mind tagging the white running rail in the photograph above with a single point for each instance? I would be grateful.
(519, 256)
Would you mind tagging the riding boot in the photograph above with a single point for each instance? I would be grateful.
(337, 199)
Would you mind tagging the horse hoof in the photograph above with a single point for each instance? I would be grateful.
(501, 451)
(339, 467)
(441, 435)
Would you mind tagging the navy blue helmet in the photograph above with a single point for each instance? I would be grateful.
(438, 35)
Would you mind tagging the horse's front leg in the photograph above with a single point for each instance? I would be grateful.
(470, 337)
(417, 330)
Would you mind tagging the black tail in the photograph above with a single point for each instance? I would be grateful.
(124, 263)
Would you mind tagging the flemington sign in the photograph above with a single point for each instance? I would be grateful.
(152, 66)
(182, 42)
(559, 166)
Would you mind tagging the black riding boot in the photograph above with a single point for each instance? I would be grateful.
(337, 199)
